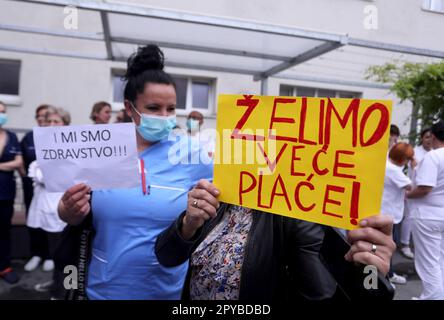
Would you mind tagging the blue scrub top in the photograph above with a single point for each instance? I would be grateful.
(127, 223)
(28, 149)
(7, 181)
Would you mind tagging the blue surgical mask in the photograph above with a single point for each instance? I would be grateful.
(155, 128)
(193, 125)
(3, 119)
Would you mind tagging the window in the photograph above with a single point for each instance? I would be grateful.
(181, 92)
(326, 93)
(433, 5)
(286, 90)
(201, 94)
(192, 93)
(9, 81)
(118, 88)
(306, 92)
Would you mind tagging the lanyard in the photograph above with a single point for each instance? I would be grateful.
(143, 176)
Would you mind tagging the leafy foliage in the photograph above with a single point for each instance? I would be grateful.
(422, 84)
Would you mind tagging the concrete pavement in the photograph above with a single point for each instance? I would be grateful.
(24, 290)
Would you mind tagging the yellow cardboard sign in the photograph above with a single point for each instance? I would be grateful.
(315, 159)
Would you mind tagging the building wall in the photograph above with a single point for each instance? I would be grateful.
(400, 21)
(76, 84)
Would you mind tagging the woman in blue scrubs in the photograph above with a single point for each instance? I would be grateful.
(10, 160)
(127, 221)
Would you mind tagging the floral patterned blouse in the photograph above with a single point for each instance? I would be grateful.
(216, 264)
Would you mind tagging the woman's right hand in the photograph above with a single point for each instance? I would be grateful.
(202, 205)
(74, 205)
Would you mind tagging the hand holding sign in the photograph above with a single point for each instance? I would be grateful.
(376, 231)
(202, 205)
(315, 159)
(74, 205)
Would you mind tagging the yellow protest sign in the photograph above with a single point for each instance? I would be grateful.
(315, 159)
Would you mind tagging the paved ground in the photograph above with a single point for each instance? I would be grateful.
(24, 290)
(406, 267)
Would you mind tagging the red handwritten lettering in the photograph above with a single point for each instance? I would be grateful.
(339, 164)
(382, 125)
(293, 159)
(327, 199)
(302, 124)
(251, 104)
(315, 163)
(275, 119)
(283, 193)
(297, 196)
(273, 164)
(352, 111)
(241, 185)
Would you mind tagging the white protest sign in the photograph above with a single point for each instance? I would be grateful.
(101, 156)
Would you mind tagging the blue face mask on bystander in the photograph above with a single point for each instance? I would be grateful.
(3, 119)
(155, 128)
(193, 125)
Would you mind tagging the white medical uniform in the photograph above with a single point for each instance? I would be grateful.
(428, 227)
(394, 193)
(406, 227)
(43, 209)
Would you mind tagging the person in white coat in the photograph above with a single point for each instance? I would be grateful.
(43, 210)
(428, 225)
(43, 213)
(395, 185)
(406, 226)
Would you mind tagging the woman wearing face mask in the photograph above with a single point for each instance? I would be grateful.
(194, 122)
(123, 264)
(205, 139)
(10, 160)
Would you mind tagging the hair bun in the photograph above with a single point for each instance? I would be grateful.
(146, 58)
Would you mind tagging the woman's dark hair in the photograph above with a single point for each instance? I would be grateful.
(126, 117)
(424, 131)
(394, 130)
(145, 66)
(438, 130)
(40, 108)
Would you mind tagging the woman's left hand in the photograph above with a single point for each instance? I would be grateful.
(372, 244)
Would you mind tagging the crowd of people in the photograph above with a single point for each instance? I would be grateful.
(414, 197)
(171, 238)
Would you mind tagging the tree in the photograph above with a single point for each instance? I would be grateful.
(421, 84)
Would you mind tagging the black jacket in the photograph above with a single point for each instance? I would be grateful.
(282, 260)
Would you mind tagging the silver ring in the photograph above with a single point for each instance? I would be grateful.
(194, 204)
(374, 248)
